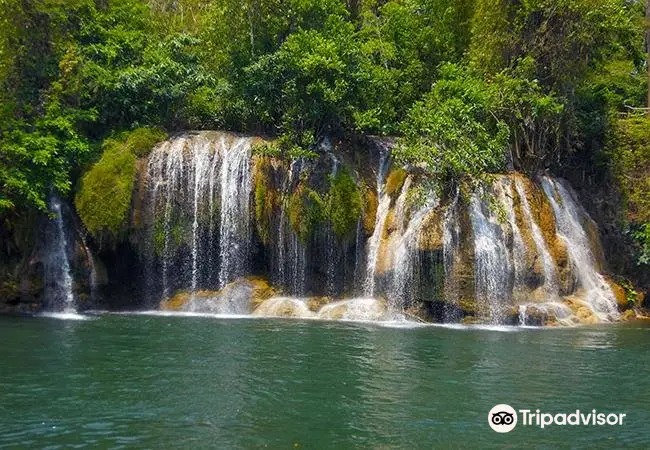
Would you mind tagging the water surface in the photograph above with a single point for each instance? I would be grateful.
(188, 382)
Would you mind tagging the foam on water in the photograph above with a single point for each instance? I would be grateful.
(64, 316)
(159, 313)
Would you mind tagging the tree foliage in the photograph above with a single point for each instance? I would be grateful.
(470, 86)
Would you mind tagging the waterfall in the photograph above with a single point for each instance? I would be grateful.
(58, 277)
(202, 157)
(551, 285)
(400, 206)
(451, 234)
(492, 266)
(198, 223)
(290, 255)
(235, 211)
(380, 221)
(404, 249)
(405, 259)
(92, 279)
(358, 250)
(164, 172)
(331, 242)
(199, 210)
(518, 250)
(570, 217)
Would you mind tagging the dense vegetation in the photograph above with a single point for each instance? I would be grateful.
(469, 86)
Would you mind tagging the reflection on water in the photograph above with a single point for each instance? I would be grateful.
(152, 381)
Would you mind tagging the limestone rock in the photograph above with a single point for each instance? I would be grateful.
(239, 297)
(582, 313)
(432, 233)
(283, 307)
(619, 293)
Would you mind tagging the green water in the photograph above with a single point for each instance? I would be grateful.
(193, 382)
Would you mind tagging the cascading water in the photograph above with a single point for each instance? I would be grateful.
(570, 218)
(202, 164)
(451, 234)
(380, 221)
(358, 250)
(235, 230)
(199, 200)
(58, 277)
(199, 204)
(290, 254)
(331, 243)
(492, 266)
(404, 250)
(518, 250)
(551, 285)
(164, 173)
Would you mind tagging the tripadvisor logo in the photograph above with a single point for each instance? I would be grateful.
(503, 418)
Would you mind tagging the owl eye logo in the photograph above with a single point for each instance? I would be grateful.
(502, 418)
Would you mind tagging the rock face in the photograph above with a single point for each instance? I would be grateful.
(222, 223)
(239, 297)
(51, 266)
(481, 254)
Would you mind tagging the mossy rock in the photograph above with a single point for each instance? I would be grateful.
(471, 320)
(178, 301)
(141, 141)
(104, 198)
(268, 198)
(10, 291)
(420, 312)
(260, 290)
(620, 294)
(538, 317)
(305, 209)
(316, 303)
(581, 312)
(369, 210)
(395, 181)
(630, 314)
(431, 236)
(468, 306)
(283, 307)
(344, 203)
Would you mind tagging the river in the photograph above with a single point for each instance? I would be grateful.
(155, 381)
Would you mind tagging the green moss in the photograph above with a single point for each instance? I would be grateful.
(369, 209)
(159, 237)
(141, 140)
(344, 203)
(178, 233)
(267, 199)
(104, 197)
(306, 209)
(395, 180)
